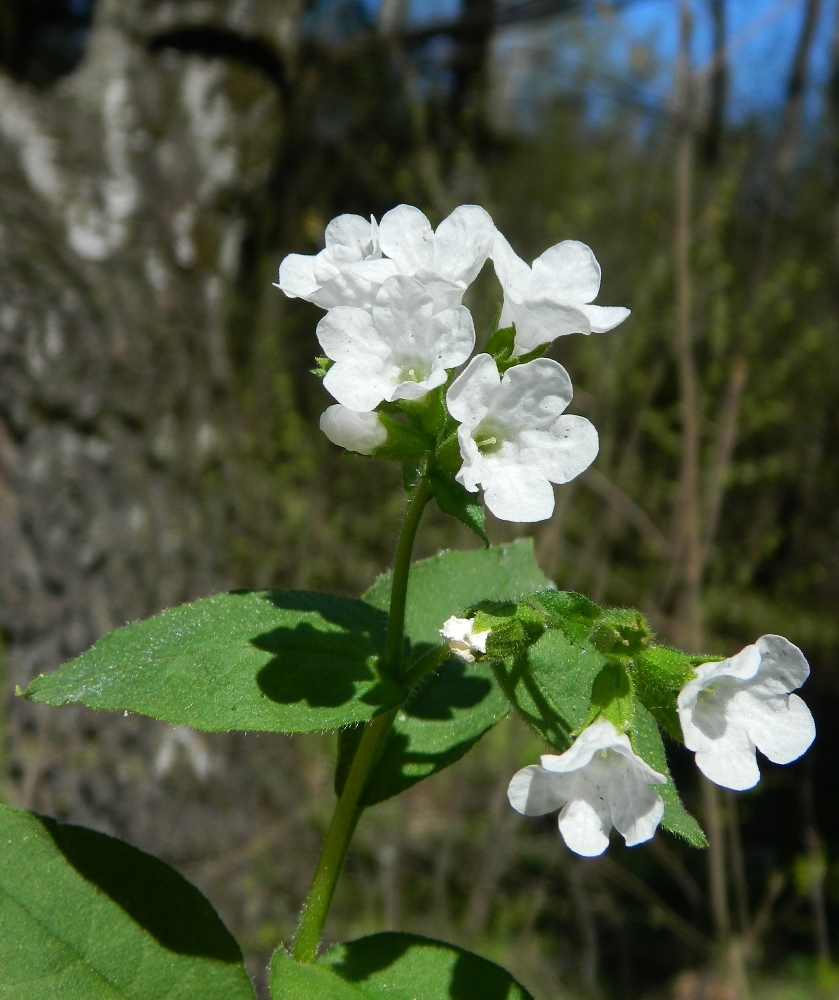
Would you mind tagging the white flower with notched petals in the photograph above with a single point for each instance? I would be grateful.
(598, 784)
(400, 350)
(462, 640)
(743, 703)
(446, 261)
(553, 297)
(514, 438)
(348, 272)
(360, 432)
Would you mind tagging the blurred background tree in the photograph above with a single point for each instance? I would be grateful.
(158, 429)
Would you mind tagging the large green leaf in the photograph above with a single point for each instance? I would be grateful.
(551, 685)
(251, 660)
(395, 967)
(454, 707)
(647, 743)
(86, 917)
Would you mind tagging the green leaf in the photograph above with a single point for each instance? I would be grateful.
(660, 673)
(396, 966)
(292, 980)
(86, 917)
(500, 344)
(455, 706)
(403, 443)
(265, 660)
(456, 501)
(613, 696)
(647, 743)
(550, 685)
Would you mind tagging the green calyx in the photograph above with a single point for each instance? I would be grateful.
(621, 633)
(512, 626)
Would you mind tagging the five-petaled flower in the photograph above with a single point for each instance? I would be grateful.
(553, 297)
(598, 784)
(461, 638)
(446, 261)
(399, 351)
(348, 272)
(361, 432)
(743, 703)
(513, 436)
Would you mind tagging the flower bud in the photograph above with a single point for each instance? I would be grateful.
(359, 432)
(620, 632)
(513, 627)
(462, 639)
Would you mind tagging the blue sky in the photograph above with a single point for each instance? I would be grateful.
(764, 32)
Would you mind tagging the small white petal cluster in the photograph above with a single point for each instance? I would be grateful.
(742, 704)
(598, 784)
(395, 329)
(462, 640)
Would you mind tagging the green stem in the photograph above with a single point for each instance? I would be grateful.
(401, 569)
(347, 810)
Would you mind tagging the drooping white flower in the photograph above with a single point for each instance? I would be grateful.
(360, 432)
(349, 270)
(462, 640)
(743, 703)
(598, 784)
(446, 261)
(514, 438)
(399, 351)
(553, 297)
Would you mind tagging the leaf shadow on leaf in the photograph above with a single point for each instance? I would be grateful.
(451, 688)
(470, 976)
(153, 895)
(324, 668)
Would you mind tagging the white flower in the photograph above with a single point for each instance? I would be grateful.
(399, 351)
(446, 261)
(349, 271)
(513, 437)
(361, 432)
(462, 640)
(743, 703)
(553, 297)
(598, 784)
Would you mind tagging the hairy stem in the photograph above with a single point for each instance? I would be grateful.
(347, 810)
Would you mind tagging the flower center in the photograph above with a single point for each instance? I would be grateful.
(413, 372)
(488, 439)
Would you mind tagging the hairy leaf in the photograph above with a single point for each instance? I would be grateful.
(86, 917)
(647, 743)
(264, 660)
(456, 501)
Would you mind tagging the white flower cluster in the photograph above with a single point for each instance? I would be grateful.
(396, 328)
(731, 709)
(728, 711)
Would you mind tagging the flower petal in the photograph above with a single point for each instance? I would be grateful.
(360, 432)
(297, 276)
(566, 272)
(352, 231)
(781, 728)
(402, 313)
(783, 667)
(534, 791)
(413, 390)
(585, 826)
(463, 242)
(453, 332)
(540, 321)
(604, 318)
(517, 493)
(345, 330)
(470, 395)
(730, 760)
(513, 273)
(564, 451)
(361, 381)
(533, 395)
(636, 807)
(406, 236)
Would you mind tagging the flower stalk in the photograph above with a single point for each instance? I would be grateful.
(348, 809)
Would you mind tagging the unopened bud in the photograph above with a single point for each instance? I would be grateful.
(620, 632)
(460, 636)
